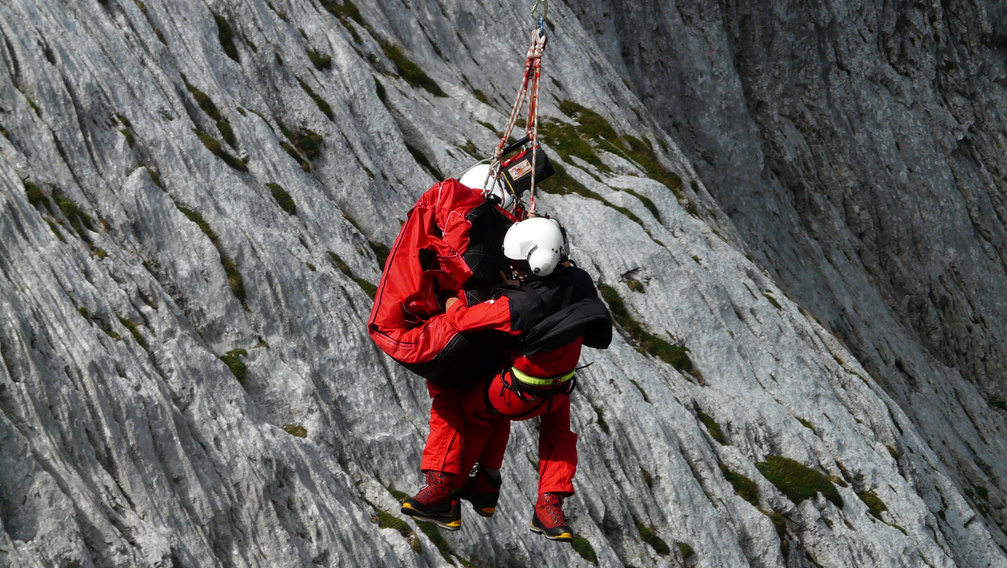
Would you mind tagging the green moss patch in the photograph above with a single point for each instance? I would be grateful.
(77, 217)
(601, 418)
(643, 393)
(798, 481)
(319, 101)
(743, 486)
(366, 286)
(646, 203)
(874, 503)
(437, 538)
(234, 279)
(215, 147)
(776, 304)
(36, 196)
(675, 355)
(210, 108)
(55, 230)
(344, 10)
(409, 71)
(686, 551)
(226, 36)
(282, 198)
(592, 132)
(583, 547)
(380, 251)
(567, 141)
(422, 160)
(388, 521)
(712, 426)
(657, 543)
(131, 326)
(296, 430)
(561, 183)
(233, 361)
(321, 61)
(305, 141)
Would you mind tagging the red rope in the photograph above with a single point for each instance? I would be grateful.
(532, 74)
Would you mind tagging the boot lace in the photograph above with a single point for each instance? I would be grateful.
(552, 505)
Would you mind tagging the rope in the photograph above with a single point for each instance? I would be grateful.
(532, 76)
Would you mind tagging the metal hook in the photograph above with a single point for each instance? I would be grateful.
(545, 11)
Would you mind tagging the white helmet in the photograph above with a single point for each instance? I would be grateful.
(537, 240)
(477, 177)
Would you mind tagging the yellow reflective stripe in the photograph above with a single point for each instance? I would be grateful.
(539, 382)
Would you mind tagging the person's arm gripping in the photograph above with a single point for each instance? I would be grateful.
(489, 315)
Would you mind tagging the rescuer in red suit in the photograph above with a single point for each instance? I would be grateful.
(553, 307)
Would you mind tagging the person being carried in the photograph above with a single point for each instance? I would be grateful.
(550, 308)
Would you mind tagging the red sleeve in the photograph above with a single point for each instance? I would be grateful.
(491, 314)
(452, 204)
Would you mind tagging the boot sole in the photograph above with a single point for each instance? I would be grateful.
(443, 522)
(482, 510)
(565, 537)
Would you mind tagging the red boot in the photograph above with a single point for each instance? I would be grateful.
(435, 502)
(483, 491)
(549, 520)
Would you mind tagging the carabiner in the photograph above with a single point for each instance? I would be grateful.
(545, 11)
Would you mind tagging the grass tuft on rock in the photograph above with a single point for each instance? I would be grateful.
(657, 543)
(346, 10)
(714, 428)
(601, 418)
(210, 108)
(422, 160)
(387, 521)
(370, 289)
(131, 326)
(874, 503)
(296, 430)
(233, 361)
(583, 547)
(283, 198)
(437, 538)
(77, 217)
(319, 101)
(321, 61)
(685, 550)
(234, 279)
(226, 36)
(798, 481)
(409, 71)
(743, 486)
(675, 355)
(35, 194)
(215, 147)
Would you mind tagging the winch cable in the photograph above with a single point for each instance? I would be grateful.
(532, 75)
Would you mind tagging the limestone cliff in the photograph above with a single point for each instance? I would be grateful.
(795, 212)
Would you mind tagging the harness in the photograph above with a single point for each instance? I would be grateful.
(527, 392)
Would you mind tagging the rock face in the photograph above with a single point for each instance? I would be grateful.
(195, 199)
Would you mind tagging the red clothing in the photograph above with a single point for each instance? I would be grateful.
(438, 223)
(485, 432)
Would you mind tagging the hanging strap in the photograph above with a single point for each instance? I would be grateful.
(532, 76)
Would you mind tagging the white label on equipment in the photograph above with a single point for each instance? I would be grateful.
(520, 169)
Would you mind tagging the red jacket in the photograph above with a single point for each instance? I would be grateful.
(439, 223)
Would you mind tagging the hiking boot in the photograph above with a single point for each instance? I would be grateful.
(482, 490)
(435, 503)
(548, 519)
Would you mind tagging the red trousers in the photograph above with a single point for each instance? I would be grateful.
(486, 431)
(445, 441)
(443, 450)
